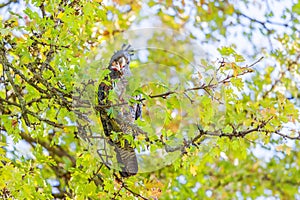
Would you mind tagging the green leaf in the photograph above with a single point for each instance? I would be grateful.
(226, 51)
(239, 58)
(296, 8)
(228, 129)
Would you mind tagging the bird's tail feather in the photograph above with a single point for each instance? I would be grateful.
(127, 160)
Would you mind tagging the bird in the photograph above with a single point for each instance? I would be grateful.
(116, 81)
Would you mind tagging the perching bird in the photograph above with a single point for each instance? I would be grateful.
(116, 81)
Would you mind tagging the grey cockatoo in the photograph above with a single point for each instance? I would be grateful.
(117, 81)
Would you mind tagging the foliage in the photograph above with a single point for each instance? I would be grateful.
(221, 129)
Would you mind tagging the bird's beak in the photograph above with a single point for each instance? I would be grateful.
(116, 66)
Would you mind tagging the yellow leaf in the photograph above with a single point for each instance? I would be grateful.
(284, 148)
(235, 69)
(48, 33)
(60, 15)
(288, 150)
(279, 148)
(272, 111)
(193, 170)
(199, 76)
(141, 137)
(68, 129)
(134, 64)
(154, 188)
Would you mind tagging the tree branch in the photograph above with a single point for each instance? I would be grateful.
(246, 69)
(7, 3)
(277, 132)
(263, 23)
(123, 184)
(57, 150)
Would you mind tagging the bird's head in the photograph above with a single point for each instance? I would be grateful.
(119, 63)
(121, 59)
